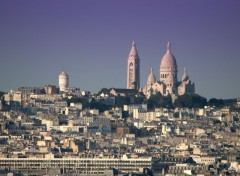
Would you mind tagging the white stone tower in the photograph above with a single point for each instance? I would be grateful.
(63, 81)
(133, 70)
(168, 71)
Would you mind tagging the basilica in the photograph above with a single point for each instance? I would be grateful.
(167, 84)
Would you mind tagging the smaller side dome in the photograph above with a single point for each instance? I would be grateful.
(151, 77)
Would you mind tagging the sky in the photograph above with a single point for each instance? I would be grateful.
(91, 39)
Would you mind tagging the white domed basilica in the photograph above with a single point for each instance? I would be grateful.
(168, 83)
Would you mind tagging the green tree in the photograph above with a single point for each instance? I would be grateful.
(139, 132)
(2, 99)
(83, 100)
(121, 100)
(139, 100)
(216, 102)
(104, 90)
(190, 101)
(159, 101)
(125, 114)
(1, 95)
(99, 105)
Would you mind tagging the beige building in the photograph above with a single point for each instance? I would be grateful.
(203, 160)
(15, 96)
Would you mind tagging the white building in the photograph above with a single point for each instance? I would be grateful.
(203, 160)
(131, 107)
(140, 114)
(63, 81)
(182, 146)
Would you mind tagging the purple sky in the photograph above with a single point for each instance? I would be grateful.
(91, 40)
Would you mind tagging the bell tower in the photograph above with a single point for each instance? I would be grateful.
(133, 69)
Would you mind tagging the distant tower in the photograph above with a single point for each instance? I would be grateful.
(133, 70)
(63, 81)
(168, 70)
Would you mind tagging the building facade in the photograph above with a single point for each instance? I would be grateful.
(79, 165)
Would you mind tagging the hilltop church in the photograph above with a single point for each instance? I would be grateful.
(167, 84)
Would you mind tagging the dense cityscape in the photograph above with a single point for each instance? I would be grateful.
(119, 88)
(164, 128)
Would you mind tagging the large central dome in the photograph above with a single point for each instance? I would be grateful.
(168, 62)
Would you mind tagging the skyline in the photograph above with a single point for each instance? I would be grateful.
(91, 40)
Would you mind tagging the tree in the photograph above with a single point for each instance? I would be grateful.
(152, 131)
(104, 90)
(125, 114)
(216, 102)
(190, 101)
(139, 100)
(2, 96)
(2, 99)
(139, 132)
(159, 101)
(84, 101)
(121, 100)
(99, 105)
